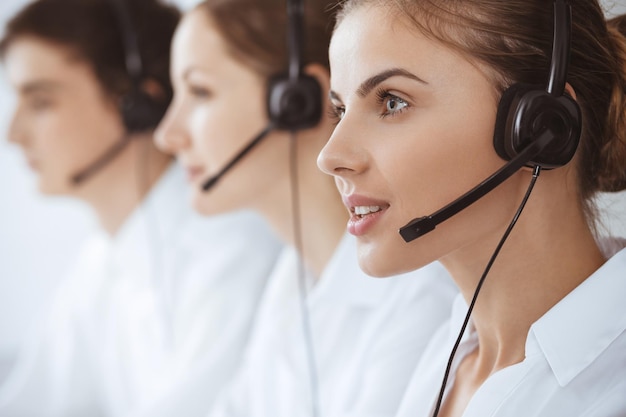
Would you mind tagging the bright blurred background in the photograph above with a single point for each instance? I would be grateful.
(39, 236)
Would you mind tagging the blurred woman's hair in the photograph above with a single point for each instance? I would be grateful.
(255, 31)
(91, 29)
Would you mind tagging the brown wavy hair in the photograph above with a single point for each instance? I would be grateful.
(91, 29)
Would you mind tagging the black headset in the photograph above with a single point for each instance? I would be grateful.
(535, 127)
(140, 111)
(294, 100)
(525, 110)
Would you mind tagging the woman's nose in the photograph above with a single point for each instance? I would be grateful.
(169, 136)
(17, 131)
(342, 156)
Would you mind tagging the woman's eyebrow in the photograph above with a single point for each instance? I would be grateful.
(368, 85)
(334, 96)
(39, 86)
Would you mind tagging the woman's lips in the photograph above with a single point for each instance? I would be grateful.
(194, 173)
(33, 164)
(364, 213)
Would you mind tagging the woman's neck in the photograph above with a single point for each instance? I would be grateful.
(540, 263)
(118, 189)
(322, 216)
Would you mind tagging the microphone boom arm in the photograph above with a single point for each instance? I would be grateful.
(110, 154)
(208, 184)
(422, 225)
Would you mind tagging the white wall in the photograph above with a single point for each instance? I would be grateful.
(38, 236)
(614, 7)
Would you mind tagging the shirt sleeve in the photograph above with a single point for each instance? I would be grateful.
(404, 336)
(236, 400)
(215, 299)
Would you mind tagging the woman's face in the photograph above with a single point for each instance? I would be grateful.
(64, 120)
(218, 107)
(415, 131)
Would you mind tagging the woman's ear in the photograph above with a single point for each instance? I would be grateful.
(569, 90)
(151, 87)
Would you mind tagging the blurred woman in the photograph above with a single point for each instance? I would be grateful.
(365, 334)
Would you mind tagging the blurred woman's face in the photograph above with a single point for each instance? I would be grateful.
(64, 120)
(218, 107)
(415, 131)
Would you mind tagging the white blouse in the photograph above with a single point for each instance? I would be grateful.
(368, 334)
(141, 310)
(575, 362)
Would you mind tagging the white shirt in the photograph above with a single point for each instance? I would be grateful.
(141, 310)
(368, 334)
(575, 362)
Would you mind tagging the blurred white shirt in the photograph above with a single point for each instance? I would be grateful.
(368, 334)
(575, 362)
(141, 310)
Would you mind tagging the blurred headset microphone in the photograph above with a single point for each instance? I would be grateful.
(140, 112)
(294, 100)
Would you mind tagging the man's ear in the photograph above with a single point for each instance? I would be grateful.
(154, 89)
(322, 75)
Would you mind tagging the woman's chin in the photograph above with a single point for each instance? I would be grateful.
(374, 263)
(207, 205)
(47, 188)
(381, 262)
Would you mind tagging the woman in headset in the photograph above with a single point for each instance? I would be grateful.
(344, 347)
(416, 88)
(158, 289)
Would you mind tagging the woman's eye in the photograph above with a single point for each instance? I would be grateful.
(39, 104)
(336, 113)
(391, 105)
(199, 92)
(395, 104)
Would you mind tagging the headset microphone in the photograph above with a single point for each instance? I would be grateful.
(208, 184)
(422, 225)
(534, 127)
(294, 100)
(140, 112)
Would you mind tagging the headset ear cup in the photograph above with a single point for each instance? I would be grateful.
(530, 110)
(563, 117)
(294, 104)
(501, 142)
(141, 112)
